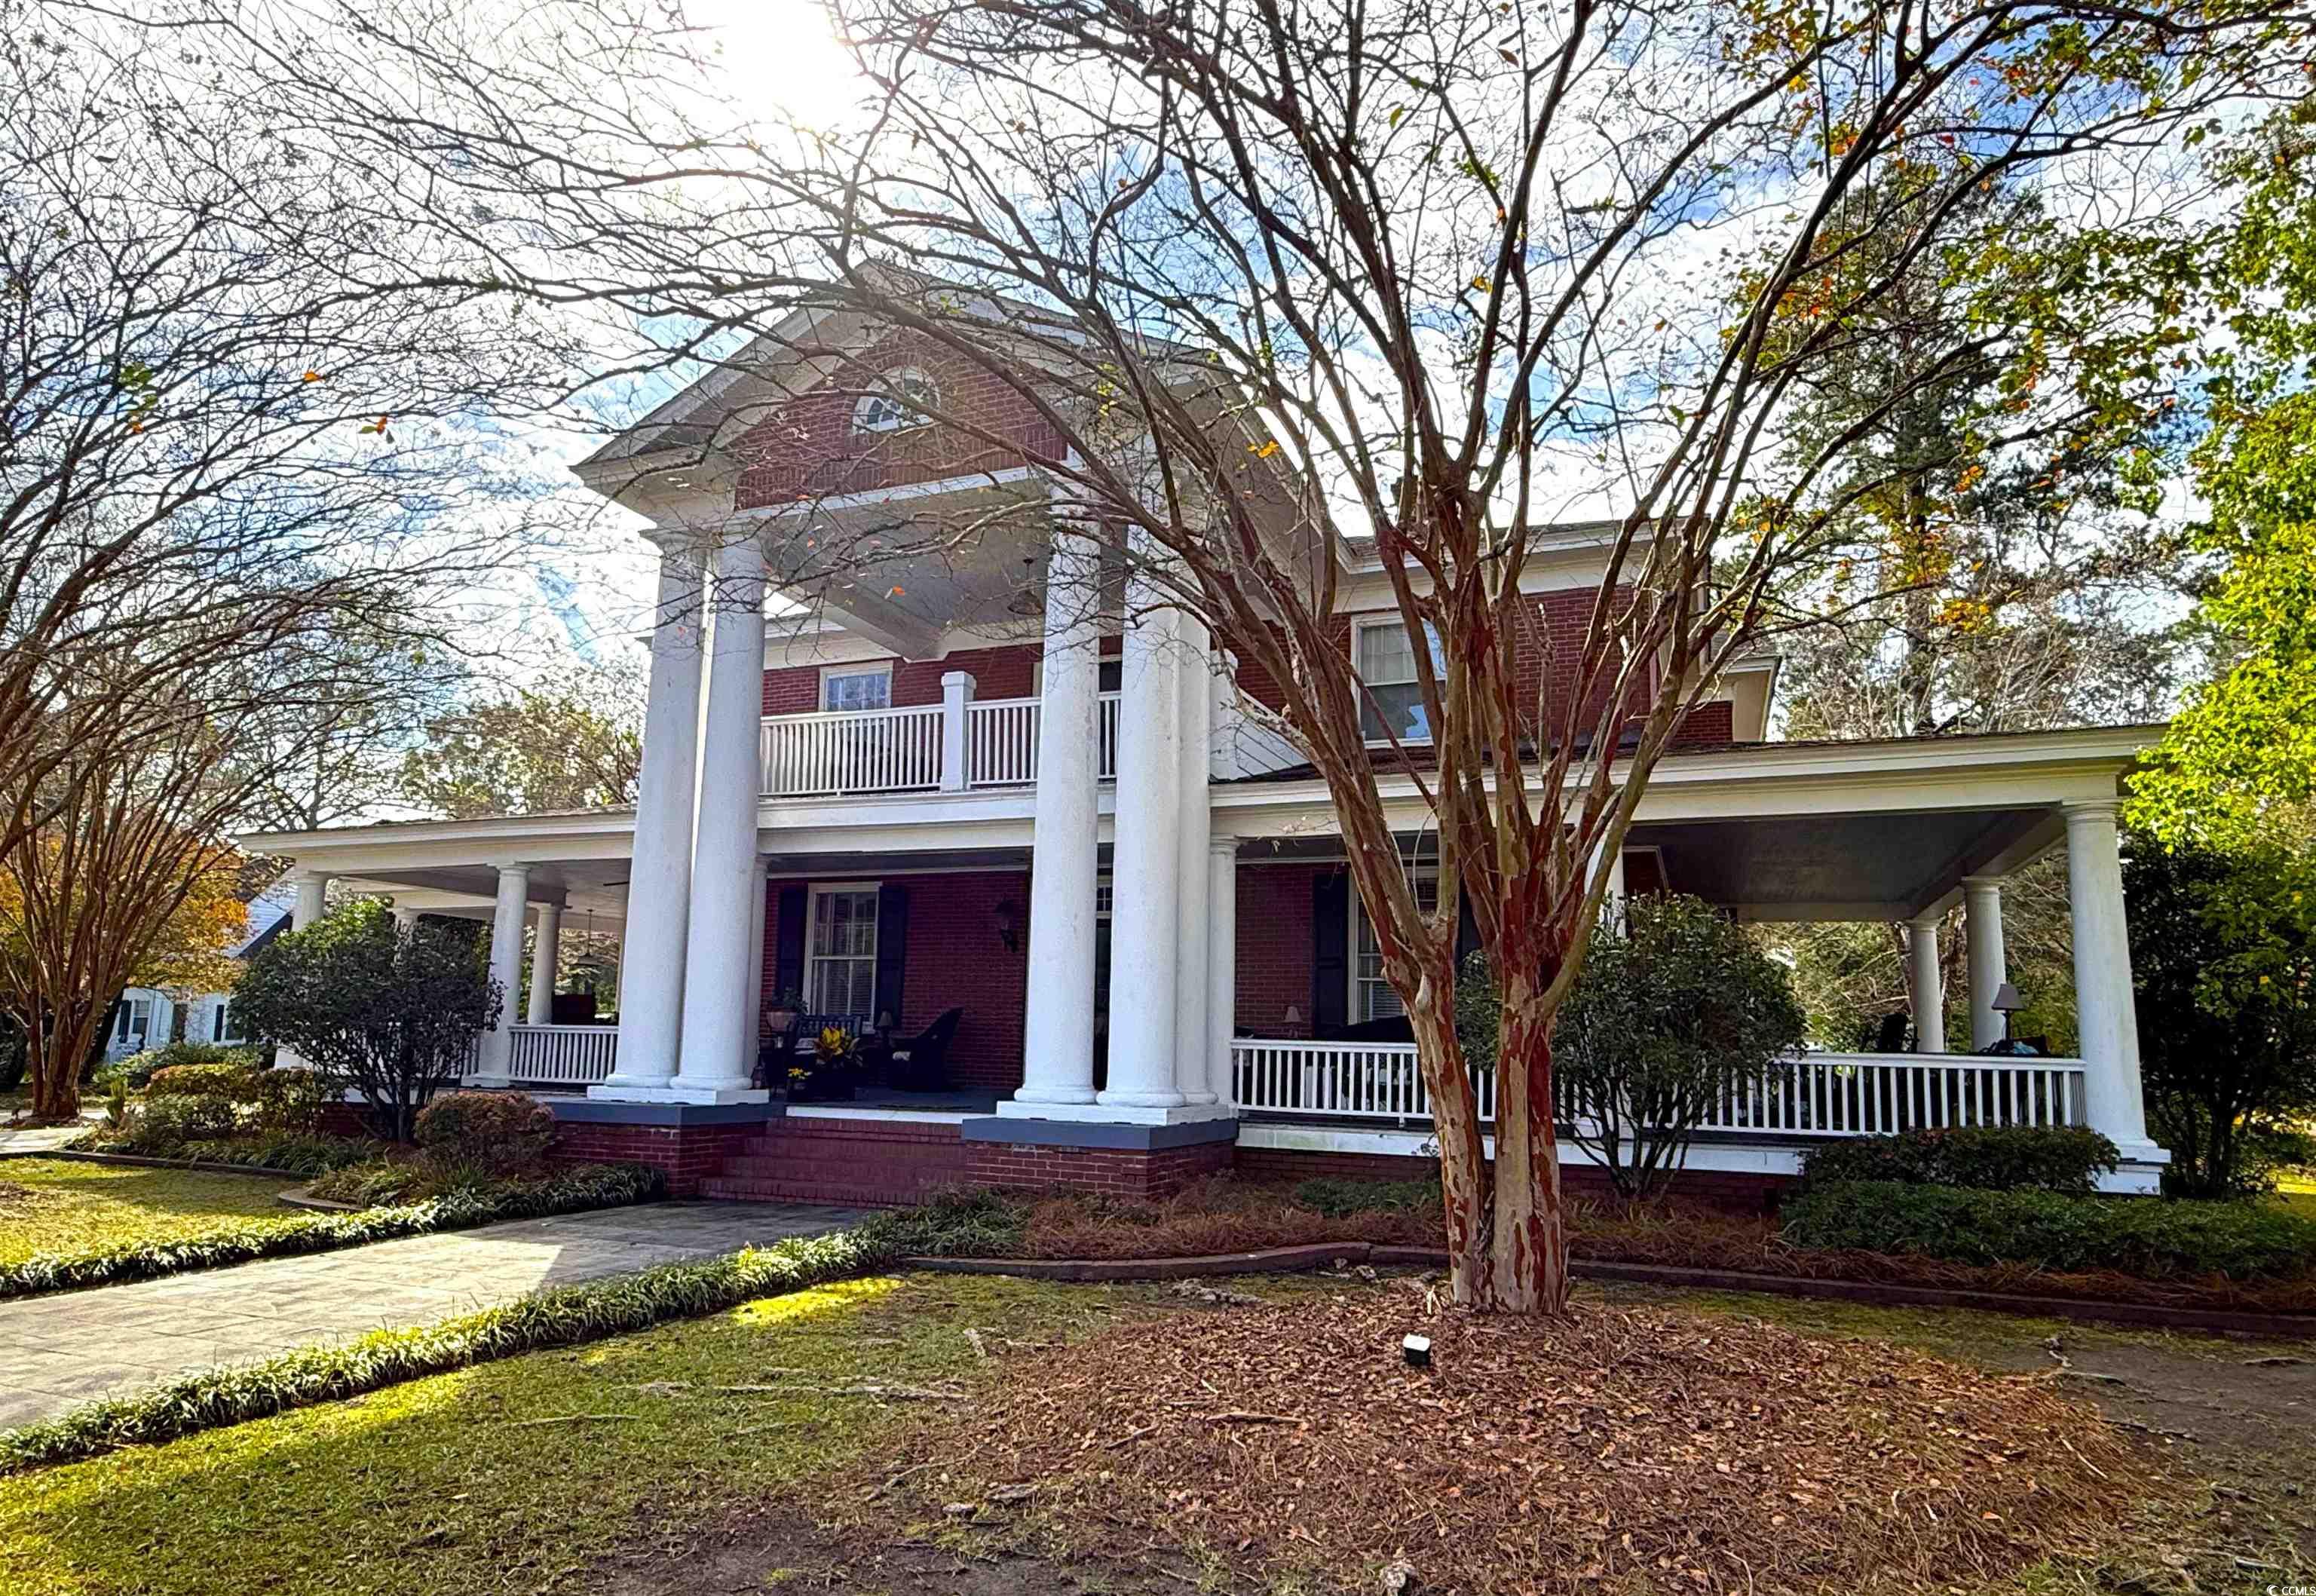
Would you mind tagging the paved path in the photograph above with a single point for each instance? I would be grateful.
(56, 1352)
(44, 1139)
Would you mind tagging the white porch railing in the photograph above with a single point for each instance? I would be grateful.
(847, 751)
(863, 751)
(563, 1054)
(1821, 1095)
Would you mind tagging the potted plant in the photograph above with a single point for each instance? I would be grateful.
(780, 1013)
(835, 1052)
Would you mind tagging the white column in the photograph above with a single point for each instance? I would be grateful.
(756, 963)
(313, 891)
(1929, 993)
(2106, 1026)
(1057, 1031)
(405, 921)
(1144, 879)
(494, 1056)
(718, 1052)
(1193, 1039)
(1989, 968)
(957, 700)
(659, 880)
(545, 960)
(1222, 963)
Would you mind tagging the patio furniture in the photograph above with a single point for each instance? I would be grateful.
(921, 1062)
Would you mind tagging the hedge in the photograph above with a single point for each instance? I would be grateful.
(583, 1186)
(2155, 1240)
(1990, 1158)
(563, 1316)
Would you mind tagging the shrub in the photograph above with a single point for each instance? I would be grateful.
(2159, 1240)
(496, 1130)
(565, 1317)
(1670, 1006)
(138, 1068)
(953, 1225)
(1988, 1158)
(291, 1152)
(568, 1190)
(166, 1121)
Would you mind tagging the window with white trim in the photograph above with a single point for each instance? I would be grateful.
(228, 1025)
(1393, 705)
(1371, 996)
(840, 974)
(856, 687)
(899, 401)
(136, 1023)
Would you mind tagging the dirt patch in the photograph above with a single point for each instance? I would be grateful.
(16, 1199)
(1627, 1445)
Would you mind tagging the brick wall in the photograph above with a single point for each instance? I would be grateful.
(1709, 723)
(1742, 1193)
(954, 959)
(807, 447)
(689, 1154)
(1006, 672)
(865, 1163)
(1274, 946)
(1110, 1171)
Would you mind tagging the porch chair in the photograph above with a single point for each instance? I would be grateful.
(921, 1062)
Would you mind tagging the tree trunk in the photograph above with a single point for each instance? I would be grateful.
(54, 1056)
(1530, 1274)
(1466, 1181)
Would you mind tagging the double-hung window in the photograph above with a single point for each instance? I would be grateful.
(1372, 997)
(136, 1024)
(840, 951)
(848, 687)
(1392, 704)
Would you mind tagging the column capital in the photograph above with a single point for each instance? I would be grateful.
(2090, 809)
(958, 678)
(1222, 844)
(1926, 922)
(512, 867)
(1984, 883)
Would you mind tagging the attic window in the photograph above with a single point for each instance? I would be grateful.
(901, 400)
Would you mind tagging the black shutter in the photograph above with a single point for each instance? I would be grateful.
(892, 949)
(787, 942)
(1331, 952)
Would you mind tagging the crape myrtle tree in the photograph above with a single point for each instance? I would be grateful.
(1273, 284)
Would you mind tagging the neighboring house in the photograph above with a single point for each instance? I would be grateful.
(944, 794)
(149, 1017)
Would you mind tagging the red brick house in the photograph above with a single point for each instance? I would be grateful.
(982, 787)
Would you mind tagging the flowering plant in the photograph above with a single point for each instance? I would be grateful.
(833, 1046)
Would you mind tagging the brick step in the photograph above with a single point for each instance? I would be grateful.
(905, 1171)
(853, 1195)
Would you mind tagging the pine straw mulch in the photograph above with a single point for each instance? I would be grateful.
(1624, 1449)
(1228, 1216)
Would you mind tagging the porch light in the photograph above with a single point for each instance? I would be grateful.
(1008, 916)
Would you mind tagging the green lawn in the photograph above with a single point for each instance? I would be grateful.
(449, 1485)
(59, 1205)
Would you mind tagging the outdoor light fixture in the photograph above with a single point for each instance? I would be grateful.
(1008, 924)
(1417, 1351)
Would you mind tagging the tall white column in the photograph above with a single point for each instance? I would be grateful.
(1057, 1031)
(2106, 1024)
(1988, 966)
(659, 881)
(1929, 993)
(718, 1052)
(1193, 1039)
(1145, 876)
(1222, 963)
(313, 892)
(546, 959)
(495, 1055)
(756, 878)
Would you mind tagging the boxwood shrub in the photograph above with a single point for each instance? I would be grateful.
(564, 1317)
(1990, 1158)
(2153, 1239)
(582, 1186)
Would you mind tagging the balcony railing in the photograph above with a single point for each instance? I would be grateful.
(558, 1055)
(951, 747)
(1819, 1094)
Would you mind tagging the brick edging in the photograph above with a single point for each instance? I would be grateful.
(303, 1198)
(1879, 1294)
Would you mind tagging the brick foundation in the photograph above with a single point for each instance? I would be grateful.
(1737, 1191)
(1113, 1171)
(689, 1154)
(861, 1162)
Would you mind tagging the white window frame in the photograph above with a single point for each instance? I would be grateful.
(878, 411)
(1368, 623)
(1112, 663)
(221, 1026)
(813, 958)
(1357, 1005)
(829, 674)
(129, 1008)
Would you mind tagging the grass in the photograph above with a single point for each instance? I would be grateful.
(56, 1205)
(448, 1484)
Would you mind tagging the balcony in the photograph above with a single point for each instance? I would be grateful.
(958, 745)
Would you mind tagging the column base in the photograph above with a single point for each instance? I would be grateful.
(677, 1092)
(1117, 1113)
(1027, 1098)
(2140, 1170)
(618, 1088)
(486, 1082)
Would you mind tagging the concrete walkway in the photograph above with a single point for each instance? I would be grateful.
(58, 1351)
